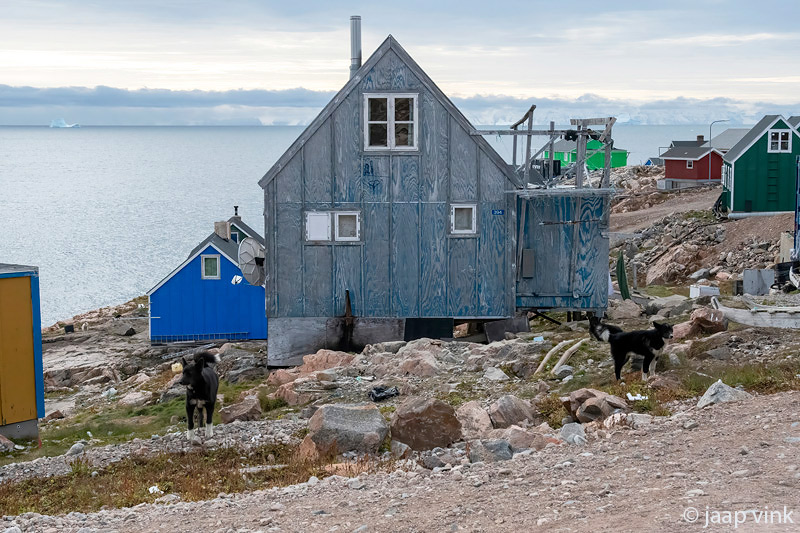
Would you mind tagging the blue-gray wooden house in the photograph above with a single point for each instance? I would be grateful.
(387, 197)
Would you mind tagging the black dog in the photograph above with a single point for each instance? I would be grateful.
(647, 342)
(201, 383)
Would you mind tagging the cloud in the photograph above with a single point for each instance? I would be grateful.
(102, 96)
(114, 106)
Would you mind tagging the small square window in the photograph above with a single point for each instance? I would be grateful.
(210, 266)
(779, 141)
(235, 236)
(690, 164)
(318, 226)
(462, 219)
(347, 226)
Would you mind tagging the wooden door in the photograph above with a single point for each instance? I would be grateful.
(17, 378)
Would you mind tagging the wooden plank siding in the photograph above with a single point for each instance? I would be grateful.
(406, 263)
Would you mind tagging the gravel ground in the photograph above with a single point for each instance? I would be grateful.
(241, 434)
(727, 458)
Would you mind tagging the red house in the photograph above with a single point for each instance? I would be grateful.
(687, 166)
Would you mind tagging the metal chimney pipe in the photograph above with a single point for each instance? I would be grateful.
(355, 44)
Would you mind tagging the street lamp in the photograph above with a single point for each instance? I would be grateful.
(710, 147)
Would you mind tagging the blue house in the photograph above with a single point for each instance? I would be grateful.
(205, 297)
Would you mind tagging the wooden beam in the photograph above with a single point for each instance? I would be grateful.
(524, 117)
(590, 121)
(553, 350)
(479, 133)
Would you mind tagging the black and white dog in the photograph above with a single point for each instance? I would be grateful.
(201, 382)
(646, 342)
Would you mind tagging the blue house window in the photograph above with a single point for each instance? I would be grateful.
(210, 266)
(235, 236)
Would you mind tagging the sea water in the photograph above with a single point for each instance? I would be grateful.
(107, 212)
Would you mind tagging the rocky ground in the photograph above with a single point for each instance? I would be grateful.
(728, 458)
(471, 436)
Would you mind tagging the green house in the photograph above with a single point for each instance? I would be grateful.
(759, 173)
(567, 152)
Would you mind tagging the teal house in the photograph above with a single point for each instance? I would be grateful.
(759, 173)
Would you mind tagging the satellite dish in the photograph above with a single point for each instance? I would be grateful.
(251, 261)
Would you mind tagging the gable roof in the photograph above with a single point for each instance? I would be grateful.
(794, 121)
(688, 153)
(751, 137)
(247, 229)
(675, 144)
(728, 138)
(389, 44)
(228, 249)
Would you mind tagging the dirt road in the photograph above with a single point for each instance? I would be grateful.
(740, 457)
(681, 202)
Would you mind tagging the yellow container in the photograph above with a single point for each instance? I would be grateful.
(21, 381)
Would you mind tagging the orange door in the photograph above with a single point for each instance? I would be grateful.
(17, 381)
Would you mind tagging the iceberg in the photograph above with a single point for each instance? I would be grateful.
(61, 123)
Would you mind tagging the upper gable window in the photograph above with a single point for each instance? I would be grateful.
(390, 121)
(210, 266)
(779, 141)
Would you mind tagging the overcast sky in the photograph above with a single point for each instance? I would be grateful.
(250, 61)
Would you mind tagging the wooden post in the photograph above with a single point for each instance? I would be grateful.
(514, 155)
(528, 148)
(550, 158)
(607, 165)
(581, 154)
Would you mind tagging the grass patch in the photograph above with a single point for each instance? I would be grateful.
(270, 404)
(764, 379)
(653, 405)
(552, 409)
(658, 291)
(195, 475)
(703, 216)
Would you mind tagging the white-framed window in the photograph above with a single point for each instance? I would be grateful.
(347, 225)
(690, 164)
(390, 121)
(235, 236)
(209, 265)
(318, 226)
(462, 219)
(779, 141)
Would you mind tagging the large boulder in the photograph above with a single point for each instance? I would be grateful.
(573, 433)
(523, 439)
(622, 309)
(425, 423)
(6, 444)
(672, 305)
(247, 409)
(710, 320)
(340, 428)
(422, 365)
(489, 451)
(282, 376)
(722, 393)
(324, 359)
(587, 405)
(510, 410)
(475, 421)
(134, 399)
(298, 392)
